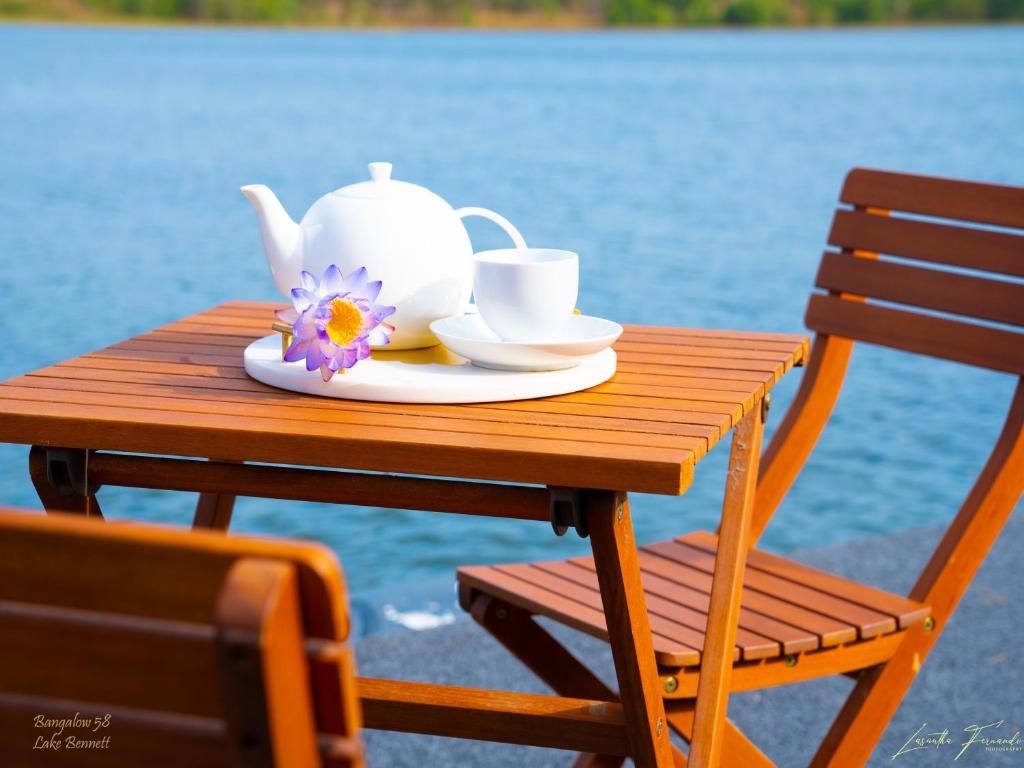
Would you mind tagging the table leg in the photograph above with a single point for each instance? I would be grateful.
(213, 510)
(61, 481)
(726, 591)
(629, 632)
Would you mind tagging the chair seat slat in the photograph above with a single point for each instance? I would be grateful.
(978, 297)
(982, 249)
(907, 612)
(667, 619)
(778, 615)
(822, 630)
(757, 636)
(921, 334)
(869, 623)
(557, 606)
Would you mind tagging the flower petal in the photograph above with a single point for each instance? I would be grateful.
(296, 350)
(308, 281)
(377, 314)
(314, 357)
(302, 299)
(289, 316)
(332, 280)
(364, 349)
(356, 281)
(326, 373)
(378, 336)
(372, 290)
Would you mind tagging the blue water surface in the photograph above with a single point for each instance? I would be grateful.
(695, 172)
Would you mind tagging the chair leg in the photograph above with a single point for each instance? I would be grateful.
(629, 632)
(548, 659)
(737, 750)
(726, 591)
(871, 705)
(879, 690)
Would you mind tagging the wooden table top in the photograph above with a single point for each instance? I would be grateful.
(181, 390)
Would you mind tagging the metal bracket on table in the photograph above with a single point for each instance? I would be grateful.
(67, 470)
(568, 510)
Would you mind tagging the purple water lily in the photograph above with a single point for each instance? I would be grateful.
(338, 320)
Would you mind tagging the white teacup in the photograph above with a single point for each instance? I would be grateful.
(526, 294)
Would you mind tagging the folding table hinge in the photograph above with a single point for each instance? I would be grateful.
(67, 470)
(568, 511)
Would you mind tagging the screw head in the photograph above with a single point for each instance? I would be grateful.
(671, 684)
(501, 613)
(929, 624)
(791, 660)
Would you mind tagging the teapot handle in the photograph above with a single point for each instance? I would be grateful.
(498, 219)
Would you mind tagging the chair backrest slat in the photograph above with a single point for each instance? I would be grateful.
(880, 230)
(921, 334)
(956, 246)
(998, 301)
(186, 638)
(167, 581)
(140, 739)
(994, 204)
(124, 662)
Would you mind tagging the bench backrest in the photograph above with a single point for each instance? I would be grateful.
(184, 648)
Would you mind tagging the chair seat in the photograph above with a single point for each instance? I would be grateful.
(787, 608)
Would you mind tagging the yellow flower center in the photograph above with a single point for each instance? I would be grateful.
(346, 322)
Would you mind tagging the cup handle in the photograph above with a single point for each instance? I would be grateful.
(498, 219)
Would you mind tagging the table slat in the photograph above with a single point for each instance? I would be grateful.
(181, 389)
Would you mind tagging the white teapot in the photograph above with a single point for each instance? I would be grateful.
(405, 236)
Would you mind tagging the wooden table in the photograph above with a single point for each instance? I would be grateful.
(180, 391)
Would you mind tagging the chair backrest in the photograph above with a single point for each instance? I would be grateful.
(894, 249)
(134, 645)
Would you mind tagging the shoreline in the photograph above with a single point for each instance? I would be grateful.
(131, 22)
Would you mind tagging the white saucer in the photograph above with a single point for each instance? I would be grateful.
(433, 375)
(468, 336)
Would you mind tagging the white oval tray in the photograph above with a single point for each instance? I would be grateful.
(432, 375)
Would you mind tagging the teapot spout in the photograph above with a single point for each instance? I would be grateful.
(281, 237)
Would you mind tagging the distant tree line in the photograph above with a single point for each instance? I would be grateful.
(807, 12)
(659, 13)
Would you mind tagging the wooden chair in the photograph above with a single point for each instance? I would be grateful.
(184, 648)
(797, 623)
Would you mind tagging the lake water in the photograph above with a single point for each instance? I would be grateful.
(695, 172)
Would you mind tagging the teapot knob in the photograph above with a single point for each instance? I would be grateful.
(380, 171)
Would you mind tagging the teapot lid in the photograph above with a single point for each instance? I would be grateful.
(381, 186)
